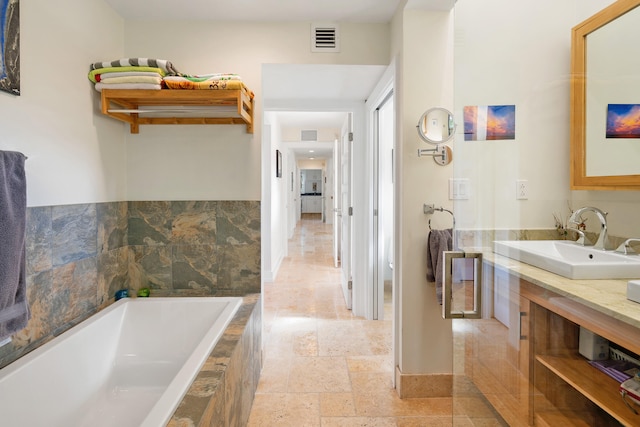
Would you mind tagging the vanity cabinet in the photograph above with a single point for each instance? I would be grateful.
(525, 357)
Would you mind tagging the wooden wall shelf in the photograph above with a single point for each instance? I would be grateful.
(176, 106)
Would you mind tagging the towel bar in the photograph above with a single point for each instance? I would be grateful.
(430, 209)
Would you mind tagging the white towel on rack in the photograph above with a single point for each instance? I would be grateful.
(438, 241)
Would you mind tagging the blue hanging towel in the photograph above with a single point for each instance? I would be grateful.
(14, 309)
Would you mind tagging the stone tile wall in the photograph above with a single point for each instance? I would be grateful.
(78, 256)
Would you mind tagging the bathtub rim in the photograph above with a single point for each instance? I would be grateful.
(22, 362)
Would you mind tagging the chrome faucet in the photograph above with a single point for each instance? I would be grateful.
(626, 248)
(602, 217)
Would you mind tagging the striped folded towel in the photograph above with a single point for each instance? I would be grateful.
(163, 64)
(156, 80)
(96, 75)
(99, 77)
(148, 86)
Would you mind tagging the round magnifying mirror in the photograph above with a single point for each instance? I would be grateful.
(436, 125)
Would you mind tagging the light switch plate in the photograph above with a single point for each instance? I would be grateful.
(458, 189)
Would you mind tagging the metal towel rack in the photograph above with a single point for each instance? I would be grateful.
(430, 209)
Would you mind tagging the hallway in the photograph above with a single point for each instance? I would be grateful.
(323, 366)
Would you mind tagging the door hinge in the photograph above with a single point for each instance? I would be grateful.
(350, 136)
(350, 210)
(350, 284)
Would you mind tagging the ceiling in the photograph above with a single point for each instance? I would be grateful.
(257, 10)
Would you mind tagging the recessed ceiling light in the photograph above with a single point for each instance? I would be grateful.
(311, 158)
(311, 151)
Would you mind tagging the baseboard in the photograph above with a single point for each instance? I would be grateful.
(269, 276)
(423, 385)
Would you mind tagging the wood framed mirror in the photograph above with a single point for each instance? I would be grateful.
(605, 80)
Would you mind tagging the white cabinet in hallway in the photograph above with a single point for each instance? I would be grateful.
(311, 204)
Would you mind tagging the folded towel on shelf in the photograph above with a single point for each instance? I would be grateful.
(146, 86)
(14, 309)
(100, 71)
(99, 77)
(438, 241)
(163, 64)
(132, 79)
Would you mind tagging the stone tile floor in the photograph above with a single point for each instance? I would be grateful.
(322, 365)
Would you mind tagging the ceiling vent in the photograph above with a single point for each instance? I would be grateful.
(325, 38)
(309, 135)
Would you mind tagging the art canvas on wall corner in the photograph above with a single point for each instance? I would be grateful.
(10, 46)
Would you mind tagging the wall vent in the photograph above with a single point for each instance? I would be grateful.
(309, 135)
(325, 38)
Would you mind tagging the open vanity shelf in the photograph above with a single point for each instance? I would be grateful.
(591, 383)
(172, 106)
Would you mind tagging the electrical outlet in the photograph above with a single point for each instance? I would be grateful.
(522, 189)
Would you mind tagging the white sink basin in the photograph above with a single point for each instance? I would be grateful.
(570, 260)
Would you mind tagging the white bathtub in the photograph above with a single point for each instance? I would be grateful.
(129, 365)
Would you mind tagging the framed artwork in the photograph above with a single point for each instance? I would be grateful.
(489, 122)
(622, 121)
(278, 164)
(10, 46)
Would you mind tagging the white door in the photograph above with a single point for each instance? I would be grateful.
(337, 209)
(347, 210)
(383, 202)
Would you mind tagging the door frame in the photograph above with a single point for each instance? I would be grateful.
(346, 197)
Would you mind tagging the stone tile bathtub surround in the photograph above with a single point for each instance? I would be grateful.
(78, 256)
(222, 393)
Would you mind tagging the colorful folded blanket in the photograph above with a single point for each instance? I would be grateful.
(204, 77)
(184, 83)
(99, 77)
(149, 86)
(132, 79)
(100, 71)
(163, 64)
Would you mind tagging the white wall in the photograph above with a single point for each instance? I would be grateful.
(277, 202)
(426, 67)
(76, 155)
(516, 63)
(223, 162)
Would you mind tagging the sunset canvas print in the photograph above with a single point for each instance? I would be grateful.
(492, 122)
(623, 121)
